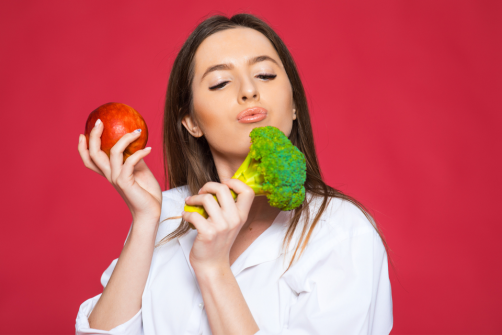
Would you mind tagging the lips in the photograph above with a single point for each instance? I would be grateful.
(253, 114)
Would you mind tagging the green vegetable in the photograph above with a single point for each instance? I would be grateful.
(274, 167)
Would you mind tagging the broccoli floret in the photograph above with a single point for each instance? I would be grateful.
(274, 168)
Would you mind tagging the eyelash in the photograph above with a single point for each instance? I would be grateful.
(269, 76)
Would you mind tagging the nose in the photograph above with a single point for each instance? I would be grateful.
(248, 91)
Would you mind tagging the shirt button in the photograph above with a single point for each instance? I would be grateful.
(201, 305)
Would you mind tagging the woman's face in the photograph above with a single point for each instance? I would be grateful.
(220, 95)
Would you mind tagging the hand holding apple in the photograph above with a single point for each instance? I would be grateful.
(116, 152)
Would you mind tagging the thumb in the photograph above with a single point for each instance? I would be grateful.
(131, 161)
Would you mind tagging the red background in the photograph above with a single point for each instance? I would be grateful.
(405, 99)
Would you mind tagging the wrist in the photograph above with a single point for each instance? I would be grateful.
(146, 217)
(212, 273)
(145, 227)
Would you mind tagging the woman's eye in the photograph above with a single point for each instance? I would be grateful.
(267, 76)
(223, 84)
(218, 86)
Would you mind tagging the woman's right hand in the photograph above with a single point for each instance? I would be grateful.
(133, 179)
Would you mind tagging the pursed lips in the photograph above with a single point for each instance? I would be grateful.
(253, 114)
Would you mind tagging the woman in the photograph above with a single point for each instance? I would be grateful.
(233, 275)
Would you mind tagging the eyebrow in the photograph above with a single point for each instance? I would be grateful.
(227, 66)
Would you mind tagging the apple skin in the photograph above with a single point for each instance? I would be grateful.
(118, 119)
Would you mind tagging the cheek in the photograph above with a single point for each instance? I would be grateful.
(280, 94)
(216, 122)
(205, 109)
(281, 100)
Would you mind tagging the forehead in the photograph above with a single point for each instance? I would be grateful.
(232, 46)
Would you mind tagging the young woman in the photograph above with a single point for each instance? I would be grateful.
(248, 268)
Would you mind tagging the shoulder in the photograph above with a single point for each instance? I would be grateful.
(340, 219)
(176, 194)
(173, 201)
(344, 239)
(342, 225)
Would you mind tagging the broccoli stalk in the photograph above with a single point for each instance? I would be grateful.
(274, 168)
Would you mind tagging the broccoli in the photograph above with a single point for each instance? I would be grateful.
(274, 168)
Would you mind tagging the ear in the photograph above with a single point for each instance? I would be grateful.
(191, 126)
(294, 111)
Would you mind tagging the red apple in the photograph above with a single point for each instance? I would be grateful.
(118, 119)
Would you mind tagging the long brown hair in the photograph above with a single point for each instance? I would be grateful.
(188, 160)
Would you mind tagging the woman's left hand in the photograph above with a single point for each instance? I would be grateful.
(217, 233)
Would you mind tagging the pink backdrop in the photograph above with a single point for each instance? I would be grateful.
(406, 105)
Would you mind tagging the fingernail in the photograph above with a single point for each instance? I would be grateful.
(98, 122)
(137, 131)
(183, 212)
(199, 190)
(79, 138)
(186, 198)
(147, 148)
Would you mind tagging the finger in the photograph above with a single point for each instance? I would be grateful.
(84, 154)
(133, 160)
(210, 205)
(98, 156)
(201, 224)
(223, 194)
(117, 153)
(141, 166)
(245, 194)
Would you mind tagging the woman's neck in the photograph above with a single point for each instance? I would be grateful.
(260, 214)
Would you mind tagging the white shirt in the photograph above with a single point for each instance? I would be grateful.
(340, 285)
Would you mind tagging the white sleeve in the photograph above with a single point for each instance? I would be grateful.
(347, 291)
(133, 326)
